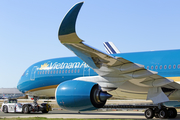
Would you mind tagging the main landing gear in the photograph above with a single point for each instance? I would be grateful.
(161, 113)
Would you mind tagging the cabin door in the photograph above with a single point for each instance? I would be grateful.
(33, 73)
(86, 70)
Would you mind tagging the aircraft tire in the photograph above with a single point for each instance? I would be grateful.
(45, 107)
(172, 113)
(149, 113)
(163, 113)
(5, 109)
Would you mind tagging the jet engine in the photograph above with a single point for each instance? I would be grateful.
(80, 95)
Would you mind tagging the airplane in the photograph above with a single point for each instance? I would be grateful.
(86, 82)
(4, 97)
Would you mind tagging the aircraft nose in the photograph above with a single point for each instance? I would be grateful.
(19, 85)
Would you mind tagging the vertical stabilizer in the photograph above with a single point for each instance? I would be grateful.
(111, 48)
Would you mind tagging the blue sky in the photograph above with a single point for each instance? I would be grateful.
(28, 29)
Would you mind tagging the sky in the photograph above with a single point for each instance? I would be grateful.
(29, 29)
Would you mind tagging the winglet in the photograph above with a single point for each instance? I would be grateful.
(67, 32)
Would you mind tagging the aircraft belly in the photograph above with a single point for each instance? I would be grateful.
(123, 94)
(129, 90)
(129, 86)
(44, 93)
(175, 95)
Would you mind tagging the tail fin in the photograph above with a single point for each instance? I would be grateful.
(110, 48)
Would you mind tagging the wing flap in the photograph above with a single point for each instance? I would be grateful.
(157, 82)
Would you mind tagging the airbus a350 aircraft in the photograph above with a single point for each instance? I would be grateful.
(85, 82)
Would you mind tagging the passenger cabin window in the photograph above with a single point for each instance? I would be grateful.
(160, 67)
(174, 66)
(165, 66)
(152, 67)
(169, 66)
(156, 67)
(178, 66)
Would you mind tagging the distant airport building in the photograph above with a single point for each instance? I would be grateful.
(10, 92)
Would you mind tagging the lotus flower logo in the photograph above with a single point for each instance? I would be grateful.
(43, 66)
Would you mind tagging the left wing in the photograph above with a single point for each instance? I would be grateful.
(68, 37)
(111, 67)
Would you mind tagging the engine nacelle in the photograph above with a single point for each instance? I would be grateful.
(80, 95)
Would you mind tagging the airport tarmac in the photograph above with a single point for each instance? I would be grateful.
(100, 113)
(89, 114)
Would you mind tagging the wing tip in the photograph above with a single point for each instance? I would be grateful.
(67, 32)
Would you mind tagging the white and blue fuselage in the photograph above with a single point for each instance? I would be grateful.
(48, 74)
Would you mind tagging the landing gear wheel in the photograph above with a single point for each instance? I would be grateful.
(149, 113)
(26, 109)
(172, 112)
(163, 113)
(5, 109)
(45, 107)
